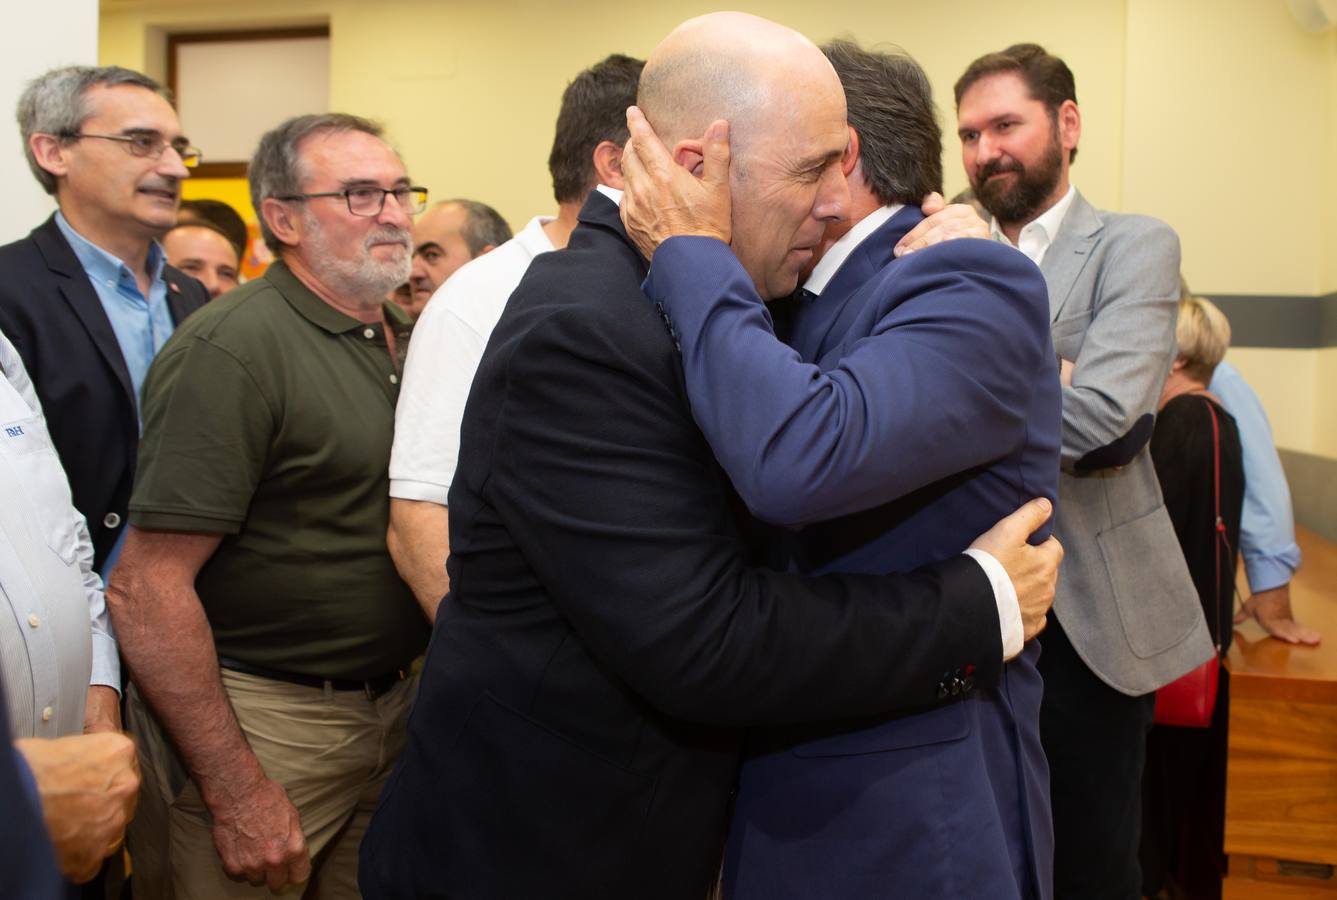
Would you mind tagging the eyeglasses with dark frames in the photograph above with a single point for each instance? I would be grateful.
(370, 201)
(147, 144)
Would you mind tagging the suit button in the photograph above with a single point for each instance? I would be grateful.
(47, 713)
(111, 520)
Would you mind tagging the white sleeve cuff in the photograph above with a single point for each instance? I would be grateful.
(1005, 597)
(106, 662)
(429, 491)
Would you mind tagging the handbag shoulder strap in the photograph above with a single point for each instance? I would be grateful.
(1219, 525)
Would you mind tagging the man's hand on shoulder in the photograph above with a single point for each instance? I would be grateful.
(88, 785)
(258, 835)
(942, 223)
(664, 197)
(1033, 569)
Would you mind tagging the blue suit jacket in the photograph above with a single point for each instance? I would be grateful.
(921, 406)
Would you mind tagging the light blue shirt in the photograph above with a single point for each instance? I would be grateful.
(141, 324)
(1267, 528)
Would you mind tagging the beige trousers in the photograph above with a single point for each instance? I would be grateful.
(332, 751)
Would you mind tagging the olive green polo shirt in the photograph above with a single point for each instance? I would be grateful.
(268, 418)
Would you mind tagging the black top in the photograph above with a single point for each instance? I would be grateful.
(1182, 450)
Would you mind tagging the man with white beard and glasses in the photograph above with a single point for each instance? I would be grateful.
(266, 629)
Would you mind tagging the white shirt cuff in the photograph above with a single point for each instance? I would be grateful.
(1005, 597)
(106, 662)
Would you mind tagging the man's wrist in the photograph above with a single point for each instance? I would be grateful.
(1005, 599)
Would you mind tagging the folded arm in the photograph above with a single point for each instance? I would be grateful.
(1109, 408)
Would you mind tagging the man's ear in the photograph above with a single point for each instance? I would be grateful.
(282, 221)
(691, 156)
(608, 164)
(1178, 364)
(50, 153)
(851, 157)
(1069, 125)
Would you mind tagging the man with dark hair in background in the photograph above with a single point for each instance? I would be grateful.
(269, 721)
(203, 250)
(1127, 618)
(922, 406)
(448, 340)
(88, 298)
(445, 237)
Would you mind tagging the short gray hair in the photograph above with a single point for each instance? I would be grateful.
(56, 103)
(483, 226)
(276, 167)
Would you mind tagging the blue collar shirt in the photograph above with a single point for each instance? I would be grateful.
(141, 324)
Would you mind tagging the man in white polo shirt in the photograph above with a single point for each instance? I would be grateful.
(448, 340)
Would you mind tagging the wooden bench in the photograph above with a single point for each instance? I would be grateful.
(1281, 786)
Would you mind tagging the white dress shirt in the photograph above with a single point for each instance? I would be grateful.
(55, 635)
(1039, 233)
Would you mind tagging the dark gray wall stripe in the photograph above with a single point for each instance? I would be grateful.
(1286, 322)
(1313, 481)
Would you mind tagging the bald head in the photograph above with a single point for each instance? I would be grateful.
(787, 133)
(730, 66)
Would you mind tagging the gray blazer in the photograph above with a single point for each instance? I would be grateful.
(1125, 597)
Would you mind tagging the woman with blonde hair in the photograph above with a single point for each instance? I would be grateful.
(1196, 450)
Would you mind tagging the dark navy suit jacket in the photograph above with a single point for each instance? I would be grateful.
(921, 406)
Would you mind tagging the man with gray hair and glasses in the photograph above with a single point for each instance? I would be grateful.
(266, 631)
(88, 298)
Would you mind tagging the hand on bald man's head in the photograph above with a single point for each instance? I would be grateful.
(664, 197)
(786, 135)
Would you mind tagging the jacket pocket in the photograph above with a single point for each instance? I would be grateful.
(1157, 602)
(936, 726)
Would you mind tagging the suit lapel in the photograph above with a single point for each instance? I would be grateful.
(825, 320)
(177, 304)
(1069, 252)
(82, 299)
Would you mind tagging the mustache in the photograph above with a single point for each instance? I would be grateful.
(161, 184)
(998, 166)
(388, 234)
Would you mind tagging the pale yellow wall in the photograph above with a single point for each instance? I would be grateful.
(1325, 402)
(1287, 383)
(470, 91)
(1210, 114)
(1329, 176)
(1227, 108)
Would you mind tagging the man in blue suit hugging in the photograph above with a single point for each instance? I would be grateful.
(916, 402)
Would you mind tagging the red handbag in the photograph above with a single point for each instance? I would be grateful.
(1190, 700)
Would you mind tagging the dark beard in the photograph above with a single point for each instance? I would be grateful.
(1025, 197)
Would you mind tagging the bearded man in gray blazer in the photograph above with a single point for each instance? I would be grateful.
(1126, 619)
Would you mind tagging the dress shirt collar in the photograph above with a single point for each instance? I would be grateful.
(837, 253)
(100, 265)
(1039, 233)
(611, 193)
